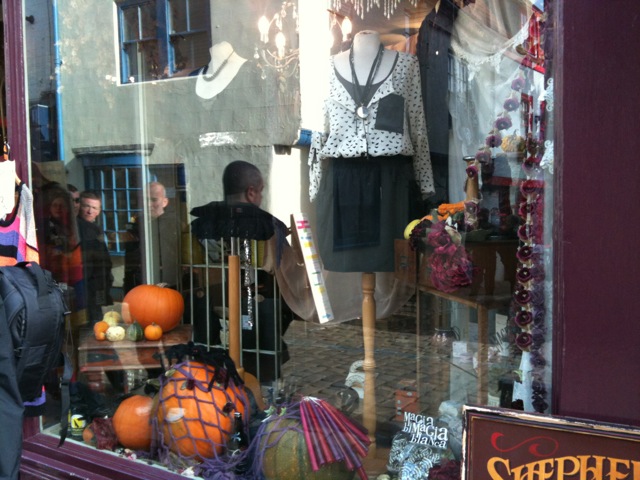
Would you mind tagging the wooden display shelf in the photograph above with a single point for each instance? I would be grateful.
(98, 357)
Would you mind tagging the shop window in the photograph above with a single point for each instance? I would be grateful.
(162, 38)
(463, 272)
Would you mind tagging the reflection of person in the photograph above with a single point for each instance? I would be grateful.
(75, 199)
(163, 245)
(243, 183)
(61, 255)
(221, 70)
(95, 256)
(367, 165)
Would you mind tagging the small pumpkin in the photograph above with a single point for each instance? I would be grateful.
(112, 317)
(194, 420)
(100, 329)
(88, 436)
(285, 454)
(132, 422)
(135, 332)
(149, 304)
(153, 332)
(513, 143)
(115, 334)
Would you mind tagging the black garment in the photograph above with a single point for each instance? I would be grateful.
(432, 50)
(96, 264)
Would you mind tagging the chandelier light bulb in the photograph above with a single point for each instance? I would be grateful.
(347, 28)
(263, 28)
(281, 42)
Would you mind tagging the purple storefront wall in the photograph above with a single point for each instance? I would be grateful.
(597, 281)
(597, 203)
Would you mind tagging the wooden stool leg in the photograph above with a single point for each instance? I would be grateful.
(369, 364)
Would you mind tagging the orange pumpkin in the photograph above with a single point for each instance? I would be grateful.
(193, 420)
(147, 304)
(132, 422)
(153, 332)
(100, 329)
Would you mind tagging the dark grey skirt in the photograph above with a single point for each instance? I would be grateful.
(362, 206)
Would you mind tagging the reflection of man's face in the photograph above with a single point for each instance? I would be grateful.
(157, 201)
(75, 199)
(90, 209)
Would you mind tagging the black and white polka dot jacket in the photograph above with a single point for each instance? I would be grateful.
(395, 125)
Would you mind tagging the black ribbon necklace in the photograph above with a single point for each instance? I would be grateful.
(361, 96)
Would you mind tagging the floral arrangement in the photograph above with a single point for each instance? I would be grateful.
(450, 264)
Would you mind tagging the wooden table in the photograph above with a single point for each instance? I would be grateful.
(95, 358)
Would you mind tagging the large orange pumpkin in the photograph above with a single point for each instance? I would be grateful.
(132, 422)
(193, 420)
(149, 304)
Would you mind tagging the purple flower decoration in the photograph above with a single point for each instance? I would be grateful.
(518, 83)
(523, 319)
(494, 140)
(524, 275)
(523, 297)
(451, 470)
(483, 155)
(524, 233)
(471, 208)
(504, 122)
(530, 164)
(524, 253)
(511, 104)
(524, 341)
(529, 187)
(472, 171)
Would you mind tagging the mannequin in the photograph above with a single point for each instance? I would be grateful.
(221, 70)
(373, 157)
(365, 170)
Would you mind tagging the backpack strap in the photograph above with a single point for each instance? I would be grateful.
(65, 398)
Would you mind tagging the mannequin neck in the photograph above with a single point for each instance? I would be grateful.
(365, 46)
(219, 53)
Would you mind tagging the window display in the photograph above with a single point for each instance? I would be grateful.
(283, 246)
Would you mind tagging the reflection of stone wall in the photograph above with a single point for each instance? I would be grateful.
(99, 112)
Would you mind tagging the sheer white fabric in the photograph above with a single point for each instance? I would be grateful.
(484, 64)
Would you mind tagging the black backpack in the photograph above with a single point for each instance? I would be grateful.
(35, 311)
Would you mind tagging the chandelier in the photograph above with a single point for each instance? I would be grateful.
(361, 6)
(277, 48)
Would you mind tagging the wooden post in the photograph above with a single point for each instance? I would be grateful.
(369, 364)
(234, 312)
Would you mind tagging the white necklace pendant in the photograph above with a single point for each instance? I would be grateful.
(362, 112)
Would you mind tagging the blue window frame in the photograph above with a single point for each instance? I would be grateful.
(118, 182)
(162, 38)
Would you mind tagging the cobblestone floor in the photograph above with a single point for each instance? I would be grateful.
(321, 357)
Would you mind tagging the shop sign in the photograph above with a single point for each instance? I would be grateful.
(500, 444)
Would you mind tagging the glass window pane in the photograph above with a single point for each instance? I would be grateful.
(179, 20)
(130, 24)
(445, 194)
(199, 14)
